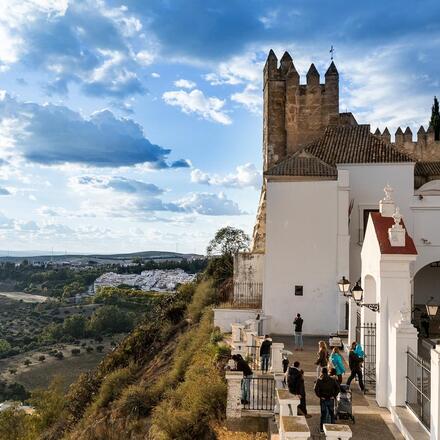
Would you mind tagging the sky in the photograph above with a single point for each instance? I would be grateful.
(137, 125)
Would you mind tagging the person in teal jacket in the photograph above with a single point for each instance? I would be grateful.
(358, 351)
(338, 363)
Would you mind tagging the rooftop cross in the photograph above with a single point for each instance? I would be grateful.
(332, 51)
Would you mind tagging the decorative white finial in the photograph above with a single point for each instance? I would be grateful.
(386, 205)
(396, 233)
(388, 190)
(397, 216)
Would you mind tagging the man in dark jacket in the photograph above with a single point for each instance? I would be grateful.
(298, 325)
(326, 388)
(242, 365)
(265, 353)
(295, 383)
(355, 364)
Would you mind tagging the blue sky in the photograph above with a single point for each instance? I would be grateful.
(137, 125)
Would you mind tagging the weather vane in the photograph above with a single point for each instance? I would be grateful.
(332, 51)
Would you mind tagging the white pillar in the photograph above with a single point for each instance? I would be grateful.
(285, 398)
(403, 336)
(294, 428)
(337, 432)
(435, 393)
(233, 404)
(277, 357)
(237, 332)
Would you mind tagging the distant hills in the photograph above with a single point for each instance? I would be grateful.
(44, 256)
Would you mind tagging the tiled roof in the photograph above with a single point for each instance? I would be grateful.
(347, 144)
(427, 169)
(303, 164)
(381, 226)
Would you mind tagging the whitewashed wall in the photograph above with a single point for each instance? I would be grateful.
(367, 182)
(301, 249)
(248, 267)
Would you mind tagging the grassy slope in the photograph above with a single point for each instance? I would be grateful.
(163, 382)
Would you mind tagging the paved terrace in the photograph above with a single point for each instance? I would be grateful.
(372, 422)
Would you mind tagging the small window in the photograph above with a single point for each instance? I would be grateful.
(298, 290)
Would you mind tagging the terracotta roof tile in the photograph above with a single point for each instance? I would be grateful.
(347, 144)
(303, 164)
(427, 169)
(381, 226)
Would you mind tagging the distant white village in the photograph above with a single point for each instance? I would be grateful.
(148, 280)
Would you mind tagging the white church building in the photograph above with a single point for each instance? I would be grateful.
(339, 202)
(324, 174)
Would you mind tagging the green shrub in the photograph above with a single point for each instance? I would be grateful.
(89, 349)
(223, 352)
(100, 348)
(204, 295)
(75, 351)
(113, 385)
(216, 336)
(134, 401)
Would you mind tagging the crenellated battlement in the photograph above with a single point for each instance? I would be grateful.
(423, 146)
(294, 113)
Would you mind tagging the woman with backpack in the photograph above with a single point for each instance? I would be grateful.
(322, 359)
(337, 362)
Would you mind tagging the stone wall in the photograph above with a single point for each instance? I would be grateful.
(424, 147)
(295, 114)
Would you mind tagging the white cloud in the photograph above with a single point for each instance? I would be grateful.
(145, 58)
(185, 84)
(155, 75)
(210, 204)
(209, 108)
(245, 175)
(242, 69)
(251, 98)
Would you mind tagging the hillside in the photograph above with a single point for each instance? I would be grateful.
(163, 381)
(31, 256)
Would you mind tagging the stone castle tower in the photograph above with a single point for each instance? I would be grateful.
(295, 114)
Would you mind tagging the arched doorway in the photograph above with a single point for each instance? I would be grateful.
(426, 289)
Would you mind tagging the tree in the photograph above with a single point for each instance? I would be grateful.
(112, 320)
(228, 241)
(5, 346)
(75, 326)
(435, 119)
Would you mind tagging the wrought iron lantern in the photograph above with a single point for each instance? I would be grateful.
(344, 286)
(356, 293)
(431, 308)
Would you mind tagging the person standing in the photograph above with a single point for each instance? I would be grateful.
(326, 389)
(355, 364)
(242, 365)
(322, 359)
(338, 363)
(295, 383)
(298, 325)
(265, 353)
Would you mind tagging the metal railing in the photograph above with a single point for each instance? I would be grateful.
(366, 336)
(260, 393)
(243, 295)
(418, 387)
